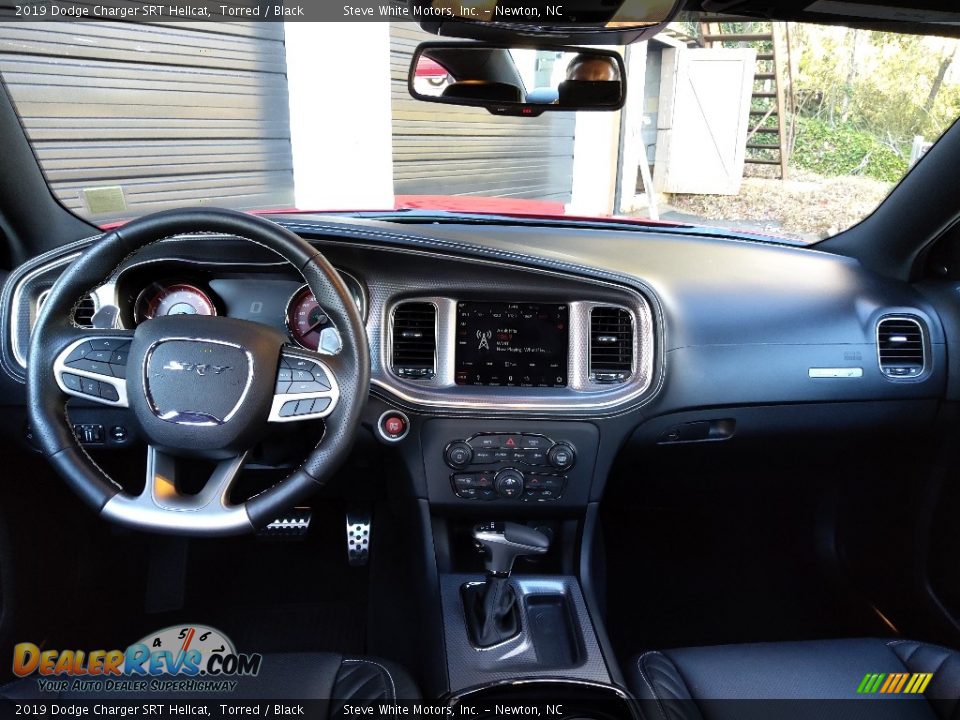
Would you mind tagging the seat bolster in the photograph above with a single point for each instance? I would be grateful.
(660, 687)
(363, 679)
(944, 688)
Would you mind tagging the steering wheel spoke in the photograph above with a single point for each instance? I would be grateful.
(196, 384)
(94, 367)
(306, 387)
(164, 508)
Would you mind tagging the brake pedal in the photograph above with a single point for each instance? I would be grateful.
(359, 528)
(292, 524)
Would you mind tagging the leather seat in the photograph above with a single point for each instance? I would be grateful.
(326, 677)
(701, 682)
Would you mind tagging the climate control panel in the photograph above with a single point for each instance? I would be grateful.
(525, 466)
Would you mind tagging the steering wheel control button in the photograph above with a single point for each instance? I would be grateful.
(89, 386)
(78, 353)
(561, 456)
(393, 426)
(71, 381)
(308, 385)
(109, 392)
(458, 454)
(109, 344)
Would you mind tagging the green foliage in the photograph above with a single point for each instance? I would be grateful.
(861, 84)
(842, 149)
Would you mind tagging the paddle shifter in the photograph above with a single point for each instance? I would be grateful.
(491, 607)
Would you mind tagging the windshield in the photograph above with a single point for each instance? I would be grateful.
(780, 129)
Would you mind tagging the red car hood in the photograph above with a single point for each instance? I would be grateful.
(518, 207)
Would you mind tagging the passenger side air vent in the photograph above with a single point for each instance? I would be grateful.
(900, 347)
(83, 315)
(611, 345)
(415, 340)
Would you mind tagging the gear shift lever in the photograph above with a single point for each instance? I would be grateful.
(491, 608)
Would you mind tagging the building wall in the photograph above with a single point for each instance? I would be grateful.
(204, 122)
(450, 150)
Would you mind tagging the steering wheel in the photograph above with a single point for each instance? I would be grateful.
(198, 386)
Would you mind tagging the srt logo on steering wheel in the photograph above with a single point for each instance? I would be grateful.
(198, 368)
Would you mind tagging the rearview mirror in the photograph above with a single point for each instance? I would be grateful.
(517, 80)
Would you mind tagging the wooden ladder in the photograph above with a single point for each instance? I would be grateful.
(768, 142)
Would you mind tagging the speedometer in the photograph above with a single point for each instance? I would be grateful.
(306, 320)
(177, 299)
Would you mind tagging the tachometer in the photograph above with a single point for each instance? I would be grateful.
(177, 299)
(306, 320)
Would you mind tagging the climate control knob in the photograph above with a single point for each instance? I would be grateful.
(561, 456)
(509, 483)
(458, 454)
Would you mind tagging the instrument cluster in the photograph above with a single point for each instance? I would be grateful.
(270, 299)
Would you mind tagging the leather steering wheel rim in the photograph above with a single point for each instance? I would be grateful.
(55, 330)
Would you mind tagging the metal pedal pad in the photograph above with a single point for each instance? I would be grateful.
(292, 524)
(359, 527)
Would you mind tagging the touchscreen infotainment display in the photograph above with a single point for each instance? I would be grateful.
(512, 344)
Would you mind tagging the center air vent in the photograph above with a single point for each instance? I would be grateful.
(900, 347)
(415, 340)
(611, 345)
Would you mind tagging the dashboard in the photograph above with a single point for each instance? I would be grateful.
(546, 322)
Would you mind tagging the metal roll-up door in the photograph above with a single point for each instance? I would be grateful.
(450, 150)
(203, 116)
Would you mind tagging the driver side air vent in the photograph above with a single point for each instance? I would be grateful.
(611, 345)
(83, 315)
(415, 340)
(900, 347)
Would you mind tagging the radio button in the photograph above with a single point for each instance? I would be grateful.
(536, 442)
(458, 454)
(487, 442)
(484, 480)
(509, 483)
(483, 456)
(561, 456)
(464, 481)
(554, 483)
(535, 457)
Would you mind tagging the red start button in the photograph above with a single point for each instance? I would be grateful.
(394, 425)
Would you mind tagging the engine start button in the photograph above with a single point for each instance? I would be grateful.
(393, 425)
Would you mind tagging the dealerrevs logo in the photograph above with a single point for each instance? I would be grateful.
(177, 658)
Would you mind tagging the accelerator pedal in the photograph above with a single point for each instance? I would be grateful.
(359, 529)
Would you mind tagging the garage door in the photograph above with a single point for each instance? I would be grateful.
(448, 150)
(203, 116)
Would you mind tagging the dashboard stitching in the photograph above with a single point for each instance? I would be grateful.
(367, 234)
